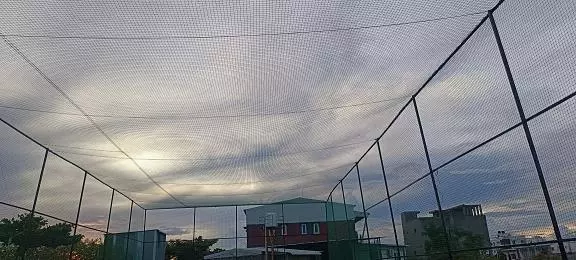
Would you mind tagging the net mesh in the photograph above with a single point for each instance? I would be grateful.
(172, 112)
(183, 116)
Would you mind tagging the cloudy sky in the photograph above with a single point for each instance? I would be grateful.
(208, 103)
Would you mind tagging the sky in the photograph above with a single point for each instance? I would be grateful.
(208, 103)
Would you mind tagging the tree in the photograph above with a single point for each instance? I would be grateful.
(28, 231)
(436, 244)
(88, 249)
(194, 249)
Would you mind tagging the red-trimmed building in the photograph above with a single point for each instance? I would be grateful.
(302, 223)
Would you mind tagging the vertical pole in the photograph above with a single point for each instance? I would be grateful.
(363, 205)
(144, 234)
(236, 242)
(286, 234)
(333, 217)
(78, 213)
(128, 234)
(108, 223)
(194, 224)
(528, 137)
(194, 227)
(110, 212)
(347, 221)
(39, 182)
(440, 213)
(388, 198)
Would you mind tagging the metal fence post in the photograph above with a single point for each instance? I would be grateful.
(528, 137)
(39, 182)
(128, 233)
(363, 205)
(108, 223)
(388, 198)
(78, 212)
(236, 236)
(110, 212)
(286, 234)
(355, 240)
(144, 234)
(194, 225)
(440, 213)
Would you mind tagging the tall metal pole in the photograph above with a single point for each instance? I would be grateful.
(285, 234)
(440, 213)
(144, 234)
(194, 224)
(39, 182)
(78, 213)
(388, 197)
(108, 223)
(236, 236)
(363, 205)
(128, 234)
(528, 137)
(347, 221)
(110, 212)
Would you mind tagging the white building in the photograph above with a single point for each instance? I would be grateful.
(518, 247)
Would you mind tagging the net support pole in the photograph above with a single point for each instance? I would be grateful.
(528, 135)
(39, 182)
(144, 234)
(110, 212)
(388, 198)
(108, 222)
(284, 234)
(236, 234)
(78, 212)
(433, 179)
(349, 240)
(363, 205)
(128, 234)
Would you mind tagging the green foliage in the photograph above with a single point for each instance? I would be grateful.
(29, 232)
(88, 249)
(436, 244)
(194, 249)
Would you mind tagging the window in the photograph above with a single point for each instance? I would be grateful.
(303, 229)
(316, 228)
(284, 230)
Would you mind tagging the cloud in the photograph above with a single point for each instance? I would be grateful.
(256, 119)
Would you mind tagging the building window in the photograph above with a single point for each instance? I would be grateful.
(303, 229)
(316, 228)
(284, 230)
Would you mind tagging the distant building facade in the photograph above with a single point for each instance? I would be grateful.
(513, 247)
(301, 221)
(468, 218)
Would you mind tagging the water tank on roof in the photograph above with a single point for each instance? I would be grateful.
(271, 220)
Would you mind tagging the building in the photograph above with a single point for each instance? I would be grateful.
(314, 225)
(305, 224)
(130, 245)
(258, 253)
(388, 251)
(514, 247)
(467, 218)
(301, 221)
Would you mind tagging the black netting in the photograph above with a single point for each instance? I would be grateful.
(60, 190)
(95, 204)
(20, 166)
(202, 119)
(119, 219)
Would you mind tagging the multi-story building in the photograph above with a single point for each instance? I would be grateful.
(466, 218)
(301, 221)
(518, 247)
